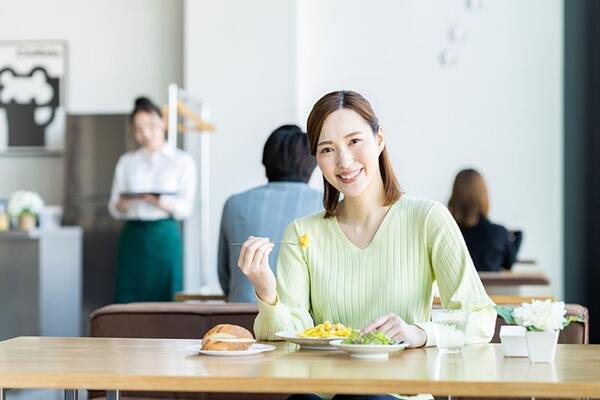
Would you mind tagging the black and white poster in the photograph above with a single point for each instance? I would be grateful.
(32, 114)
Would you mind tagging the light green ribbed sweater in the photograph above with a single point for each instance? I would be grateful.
(417, 244)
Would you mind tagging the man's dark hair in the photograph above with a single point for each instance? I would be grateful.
(286, 155)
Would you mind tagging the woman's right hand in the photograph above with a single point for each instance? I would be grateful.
(254, 263)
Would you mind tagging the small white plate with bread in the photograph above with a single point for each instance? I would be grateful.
(254, 349)
(227, 340)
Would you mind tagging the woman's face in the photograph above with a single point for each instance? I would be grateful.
(348, 152)
(148, 130)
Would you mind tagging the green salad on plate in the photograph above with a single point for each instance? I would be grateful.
(374, 337)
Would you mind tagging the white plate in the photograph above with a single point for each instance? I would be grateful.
(256, 348)
(308, 343)
(369, 351)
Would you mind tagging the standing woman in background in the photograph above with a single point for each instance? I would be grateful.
(491, 246)
(153, 187)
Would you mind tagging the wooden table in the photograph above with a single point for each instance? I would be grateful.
(192, 296)
(172, 365)
(521, 280)
(508, 278)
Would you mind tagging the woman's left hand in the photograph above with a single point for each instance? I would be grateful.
(397, 329)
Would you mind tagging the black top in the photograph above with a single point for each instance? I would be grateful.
(491, 246)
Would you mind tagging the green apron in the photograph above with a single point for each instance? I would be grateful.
(149, 261)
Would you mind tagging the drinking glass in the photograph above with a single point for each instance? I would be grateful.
(450, 329)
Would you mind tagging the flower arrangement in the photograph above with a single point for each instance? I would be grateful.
(540, 323)
(538, 316)
(24, 202)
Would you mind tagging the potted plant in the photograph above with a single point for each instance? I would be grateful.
(542, 321)
(24, 207)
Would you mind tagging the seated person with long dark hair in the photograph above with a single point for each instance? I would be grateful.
(492, 246)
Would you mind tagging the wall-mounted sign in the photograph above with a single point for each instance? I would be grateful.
(32, 114)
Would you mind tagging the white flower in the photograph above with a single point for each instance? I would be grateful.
(24, 201)
(541, 315)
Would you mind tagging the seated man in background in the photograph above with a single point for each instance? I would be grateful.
(491, 246)
(266, 210)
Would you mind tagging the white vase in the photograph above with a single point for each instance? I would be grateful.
(541, 346)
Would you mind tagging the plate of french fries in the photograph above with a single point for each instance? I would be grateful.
(317, 337)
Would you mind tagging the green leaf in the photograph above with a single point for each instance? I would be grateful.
(572, 318)
(506, 313)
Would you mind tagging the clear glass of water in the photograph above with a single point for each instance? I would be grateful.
(450, 329)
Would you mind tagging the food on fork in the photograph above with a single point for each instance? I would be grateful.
(227, 337)
(304, 241)
(326, 330)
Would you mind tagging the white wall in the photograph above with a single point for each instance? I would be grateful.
(499, 108)
(240, 59)
(116, 50)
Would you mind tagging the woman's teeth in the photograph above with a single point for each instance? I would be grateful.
(350, 176)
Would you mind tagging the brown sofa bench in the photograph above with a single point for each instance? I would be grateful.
(193, 320)
(168, 320)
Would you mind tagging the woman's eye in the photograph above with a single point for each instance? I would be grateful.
(354, 141)
(326, 150)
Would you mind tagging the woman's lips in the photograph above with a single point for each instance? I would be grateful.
(349, 177)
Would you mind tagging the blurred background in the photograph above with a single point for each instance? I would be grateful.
(509, 87)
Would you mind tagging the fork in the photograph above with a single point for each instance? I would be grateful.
(272, 241)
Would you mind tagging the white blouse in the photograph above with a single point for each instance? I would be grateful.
(167, 170)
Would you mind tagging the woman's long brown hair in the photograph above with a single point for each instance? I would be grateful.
(469, 200)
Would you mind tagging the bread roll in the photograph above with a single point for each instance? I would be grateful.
(227, 337)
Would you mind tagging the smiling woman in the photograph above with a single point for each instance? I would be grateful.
(375, 255)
